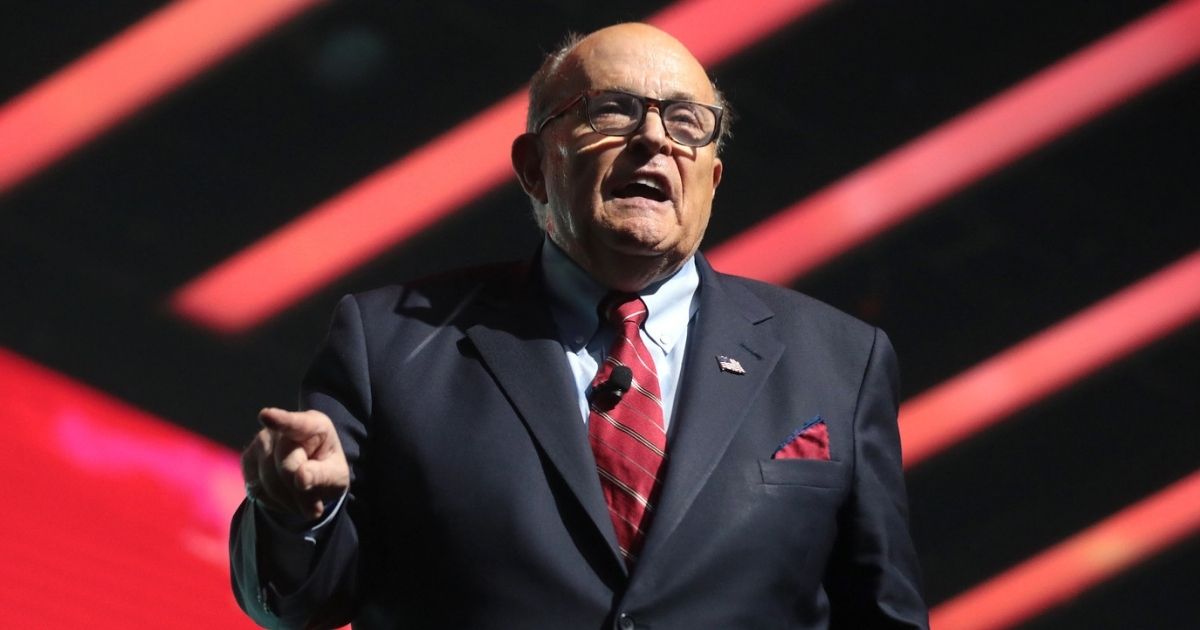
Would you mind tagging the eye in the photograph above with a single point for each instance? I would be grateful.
(604, 105)
(613, 110)
(685, 115)
(614, 104)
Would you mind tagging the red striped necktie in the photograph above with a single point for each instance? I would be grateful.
(626, 429)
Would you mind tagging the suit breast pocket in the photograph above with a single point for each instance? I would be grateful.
(803, 472)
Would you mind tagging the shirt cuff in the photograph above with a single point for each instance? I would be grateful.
(292, 524)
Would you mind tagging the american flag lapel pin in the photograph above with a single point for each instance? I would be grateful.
(730, 365)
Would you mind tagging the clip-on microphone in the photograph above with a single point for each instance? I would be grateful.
(619, 381)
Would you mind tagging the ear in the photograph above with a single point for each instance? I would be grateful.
(527, 162)
(718, 169)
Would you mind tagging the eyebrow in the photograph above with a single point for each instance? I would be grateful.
(681, 96)
(671, 96)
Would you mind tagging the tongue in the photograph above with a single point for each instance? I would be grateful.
(640, 190)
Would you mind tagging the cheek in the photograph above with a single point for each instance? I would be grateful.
(588, 166)
(699, 222)
(699, 191)
(581, 179)
(700, 188)
(559, 179)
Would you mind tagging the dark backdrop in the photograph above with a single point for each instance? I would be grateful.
(92, 247)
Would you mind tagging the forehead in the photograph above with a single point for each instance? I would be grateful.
(642, 60)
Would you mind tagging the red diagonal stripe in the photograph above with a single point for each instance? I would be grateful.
(422, 187)
(1052, 359)
(141, 64)
(625, 455)
(124, 518)
(1079, 563)
(967, 148)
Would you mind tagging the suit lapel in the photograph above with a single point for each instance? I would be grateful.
(713, 403)
(516, 338)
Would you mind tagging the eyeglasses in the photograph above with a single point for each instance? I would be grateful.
(614, 113)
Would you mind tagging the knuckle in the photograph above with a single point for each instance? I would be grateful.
(291, 466)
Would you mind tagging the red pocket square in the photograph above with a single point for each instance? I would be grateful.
(810, 441)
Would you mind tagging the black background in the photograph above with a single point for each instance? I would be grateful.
(92, 247)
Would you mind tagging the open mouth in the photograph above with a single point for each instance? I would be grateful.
(643, 187)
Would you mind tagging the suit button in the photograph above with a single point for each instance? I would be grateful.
(625, 622)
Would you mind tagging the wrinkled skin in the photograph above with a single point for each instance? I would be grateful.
(625, 241)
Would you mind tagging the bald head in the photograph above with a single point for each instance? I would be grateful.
(574, 64)
(627, 54)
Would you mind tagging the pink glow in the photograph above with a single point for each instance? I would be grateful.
(123, 518)
(208, 476)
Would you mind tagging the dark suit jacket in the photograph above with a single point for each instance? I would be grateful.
(475, 501)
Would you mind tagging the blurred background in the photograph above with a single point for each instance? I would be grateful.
(1009, 189)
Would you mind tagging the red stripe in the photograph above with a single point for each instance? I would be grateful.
(636, 487)
(129, 71)
(124, 518)
(912, 178)
(648, 468)
(617, 432)
(1051, 360)
(1082, 561)
(624, 516)
(409, 195)
(637, 407)
(637, 354)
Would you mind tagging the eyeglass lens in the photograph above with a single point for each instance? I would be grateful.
(619, 114)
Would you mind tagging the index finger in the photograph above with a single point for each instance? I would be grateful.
(297, 426)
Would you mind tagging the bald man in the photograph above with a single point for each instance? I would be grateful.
(610, 435)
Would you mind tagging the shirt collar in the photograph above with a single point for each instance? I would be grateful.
(574, 296)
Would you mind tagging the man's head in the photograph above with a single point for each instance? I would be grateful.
(627, 208)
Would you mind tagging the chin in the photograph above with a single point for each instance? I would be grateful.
(651, 256)
(645, 240)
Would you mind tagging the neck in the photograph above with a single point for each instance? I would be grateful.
(625, 273)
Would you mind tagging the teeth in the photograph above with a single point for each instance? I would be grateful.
(648, 181)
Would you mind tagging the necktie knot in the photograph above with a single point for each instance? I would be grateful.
(623, 309)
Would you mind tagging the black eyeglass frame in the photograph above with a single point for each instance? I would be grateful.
(660, 104)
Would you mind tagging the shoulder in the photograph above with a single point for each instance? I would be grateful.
(793, 309)
(431, 312)
(441, 293)
(809, 329)
(812, 332)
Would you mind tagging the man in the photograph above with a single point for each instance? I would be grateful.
(612, 436)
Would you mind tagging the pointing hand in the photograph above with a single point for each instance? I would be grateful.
(295, 464)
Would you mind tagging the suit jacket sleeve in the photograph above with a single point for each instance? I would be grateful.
(874, 578)
(338, 385)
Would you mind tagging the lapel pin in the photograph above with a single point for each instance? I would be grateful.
(730, 365)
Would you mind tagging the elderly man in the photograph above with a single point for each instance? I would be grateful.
(613, 435)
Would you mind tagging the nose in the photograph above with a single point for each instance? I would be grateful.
(653, 133)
